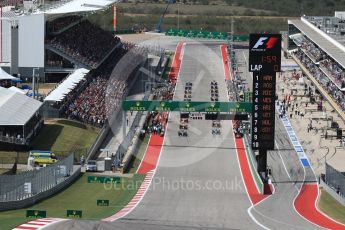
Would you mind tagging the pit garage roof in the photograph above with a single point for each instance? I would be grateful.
(16, 108)
(336, 51)
(67, 85)
(76, 6)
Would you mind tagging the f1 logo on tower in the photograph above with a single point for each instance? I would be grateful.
(263, 42)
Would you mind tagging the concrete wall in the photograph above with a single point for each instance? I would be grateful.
(34, 199)
(99, 140)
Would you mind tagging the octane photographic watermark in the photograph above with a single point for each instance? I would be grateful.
(180, 184)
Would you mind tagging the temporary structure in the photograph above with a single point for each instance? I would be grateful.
(5, 76)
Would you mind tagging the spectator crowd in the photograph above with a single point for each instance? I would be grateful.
(85, 42)
(59, 24)
(322, 78)
(97, 97)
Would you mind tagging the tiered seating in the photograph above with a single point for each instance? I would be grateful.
(99, 95)
(59, 24)
(334, 71)
(312, 50)
(322, 78)
(86, 43)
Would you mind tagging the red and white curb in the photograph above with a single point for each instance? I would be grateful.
(135, 200)
(38, 224)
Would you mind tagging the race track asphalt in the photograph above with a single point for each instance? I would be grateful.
(198, 183)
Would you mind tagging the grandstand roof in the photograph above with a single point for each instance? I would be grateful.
(326, 43)
(16, 108)
(67, 85)
(76, 6)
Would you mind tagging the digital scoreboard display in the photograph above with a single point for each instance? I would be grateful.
(265, 53)
(264, 62)
(263, 116)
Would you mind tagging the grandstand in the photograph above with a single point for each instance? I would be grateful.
(93, 96)
(47, 41)
(318, 46)
(51, 41)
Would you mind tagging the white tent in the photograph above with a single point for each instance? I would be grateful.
(5, 76)
(15, 89)
(16, 109)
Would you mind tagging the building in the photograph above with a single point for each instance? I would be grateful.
(318, 45)
(26, 33)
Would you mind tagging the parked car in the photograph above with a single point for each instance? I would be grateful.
(91, 166)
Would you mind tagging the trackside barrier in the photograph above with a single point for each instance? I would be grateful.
(335, 179)
(131, 143)
(26, 189)
(205, 34)
(132, 152)
(106, 128)
(129, 148)
(252, 163)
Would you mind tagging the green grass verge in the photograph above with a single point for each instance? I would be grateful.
(64, 135)
(136, 161)
(61, 136)
(331, 207)
(80, 196)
